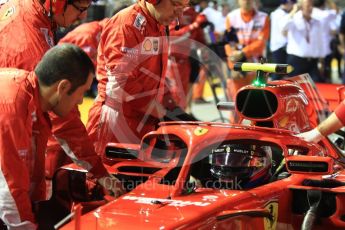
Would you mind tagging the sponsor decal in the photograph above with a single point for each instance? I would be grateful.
(271, 223)
(127, 50)
(139, 22)
(211, 198)
(150, 46)
(175, 203)
(8, 13)
(200, 131)
(22, 153)
(292, 106)
(284, 121)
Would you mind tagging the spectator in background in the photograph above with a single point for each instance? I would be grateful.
(304, 40)
(215, 40)
(342, 40)
(278, 40)
(215, 17)
(326, 12)
(247, 33)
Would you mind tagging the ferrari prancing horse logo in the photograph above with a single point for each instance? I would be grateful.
(200, 131)
(271, 223)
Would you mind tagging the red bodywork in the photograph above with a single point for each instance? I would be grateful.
(165, 197)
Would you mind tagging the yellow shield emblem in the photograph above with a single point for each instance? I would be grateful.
(200, 131)
(271, 223)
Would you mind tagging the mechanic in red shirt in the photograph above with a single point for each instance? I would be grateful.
(27, 28)
(131, 67)
(333, 123)
(86, 36)
(185, 34)
(27, 32)
(57, 85)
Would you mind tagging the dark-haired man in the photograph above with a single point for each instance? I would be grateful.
(57, 85)
(27, 32)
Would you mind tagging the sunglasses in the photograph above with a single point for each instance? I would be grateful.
(80, 9)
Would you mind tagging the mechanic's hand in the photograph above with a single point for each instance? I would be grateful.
(236, 55)
(178, 114)
(200, 21)
(112, 185)
(313, 135)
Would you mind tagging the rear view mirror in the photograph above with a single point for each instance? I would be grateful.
(309, 164)
(116, 152)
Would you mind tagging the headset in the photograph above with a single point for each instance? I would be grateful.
(153, 2)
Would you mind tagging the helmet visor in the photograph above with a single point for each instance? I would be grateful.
(234, 156)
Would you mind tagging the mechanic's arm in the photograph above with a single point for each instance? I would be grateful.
(287, 20)
(15, 148)
(230, 51)
(71, 134)
(333, 123)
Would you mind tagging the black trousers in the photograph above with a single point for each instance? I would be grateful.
(279, 56)
(305, 65)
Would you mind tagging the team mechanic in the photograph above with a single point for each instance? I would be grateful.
(131, 67)
(58, 85)
(27, 32)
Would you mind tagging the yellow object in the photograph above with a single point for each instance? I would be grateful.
(266, 67)
(200, 131)
(271, 223)
(84, 108)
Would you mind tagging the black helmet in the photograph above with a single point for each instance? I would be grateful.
(246, 163)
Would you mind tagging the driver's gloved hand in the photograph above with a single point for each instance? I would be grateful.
(178, 114)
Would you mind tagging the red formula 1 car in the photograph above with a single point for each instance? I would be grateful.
(254, 174)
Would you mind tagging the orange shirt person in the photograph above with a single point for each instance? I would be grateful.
(247, 34)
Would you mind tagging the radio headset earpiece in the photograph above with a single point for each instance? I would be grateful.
(153, 2)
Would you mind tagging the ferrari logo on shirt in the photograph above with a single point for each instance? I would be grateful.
(8, 13)
(150, 46)
(200, 131)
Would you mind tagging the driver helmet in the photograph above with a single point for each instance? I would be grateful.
(247, 164)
